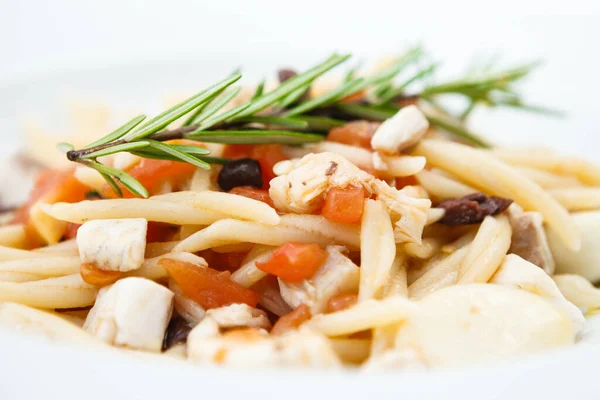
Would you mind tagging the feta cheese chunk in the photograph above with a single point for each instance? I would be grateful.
(133, 312)
(337, 275)
(401, 131)
(113, 244)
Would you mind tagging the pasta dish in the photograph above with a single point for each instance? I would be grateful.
(311, 220)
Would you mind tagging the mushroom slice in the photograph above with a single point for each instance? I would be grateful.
(529, 238)
(113, 244)
(133, 312)
(338, 274)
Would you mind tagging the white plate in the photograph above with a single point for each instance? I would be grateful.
(34, 368)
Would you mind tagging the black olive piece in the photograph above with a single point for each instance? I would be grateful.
(242, 172)
(177, 332)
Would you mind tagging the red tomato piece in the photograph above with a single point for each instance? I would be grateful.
(208, 287)
(160, 232)
(153, 174)
(267, 156)
(355, 133)
(294, 262)
(403, 181)
(344, 205)
(291, 321)
(256, 194)
(235, 151)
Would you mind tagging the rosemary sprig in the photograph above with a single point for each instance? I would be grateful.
(285, 116)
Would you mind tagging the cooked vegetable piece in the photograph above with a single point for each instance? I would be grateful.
(344, 205)
(208, 287)
(154, 175)
(268, 155)
(96, 276)
(472, 209)
(294, 262)
(292, 320)
(241, 172)
(355, 133)
(256, 194)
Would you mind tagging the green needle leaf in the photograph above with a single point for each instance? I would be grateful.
(111, 182)
(127, 180)
(457, 129)
(162, 120)
(344, 90)
(117, 149)
(178, 154)
(259, 90)
(373, 113)
(397, 91)
(117, 134)
(291, 85)
(288, 122)
(321, 123)
(256, 137)
(216, 105)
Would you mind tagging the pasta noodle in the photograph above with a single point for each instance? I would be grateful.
(481, 170)
(13, 236)
(152, 210)
(399, 166)
(578, 290)
(378, 249)
(549, 180)
(577, 199)
(487, 251)
(442, 187)
(43, 266)
(248, 274)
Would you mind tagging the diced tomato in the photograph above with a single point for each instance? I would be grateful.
(53, 186)
(160, 232)
(153, 174)
(96, 276)
(256, 194)
(403, 181)
(223, 261)
(355, 133)
(235, 151)
(294, 262)
(341, 302)
(268, 155)
(344, 205)
(291, 321)
(208, 287)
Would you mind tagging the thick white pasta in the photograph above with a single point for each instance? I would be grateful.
(480, 169)
(398, 166)
(231, 205)
(292, 228)
(549, 180)
(248, 274)
(441, 186)
(152, 210)
(578, 198)
(65, 292)
(365, 315)
(487, 251)
(578, 290)
(377, 249)
(353, 351)
(46, 266)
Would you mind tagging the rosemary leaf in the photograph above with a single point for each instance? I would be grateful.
(389, 73)
(217, 119)
(117, 134)
(293, 97)
(259, 90)
(288, 122)
(321, 123)
(291, 85)
(373, 113)
(127, 180)
(217, 105)
(162, 120)
(193, 115)
(399, 90)
(111, 182)
(117, 149)
(344, 90)
(165, 148)
(168, 157)
(256, 137)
